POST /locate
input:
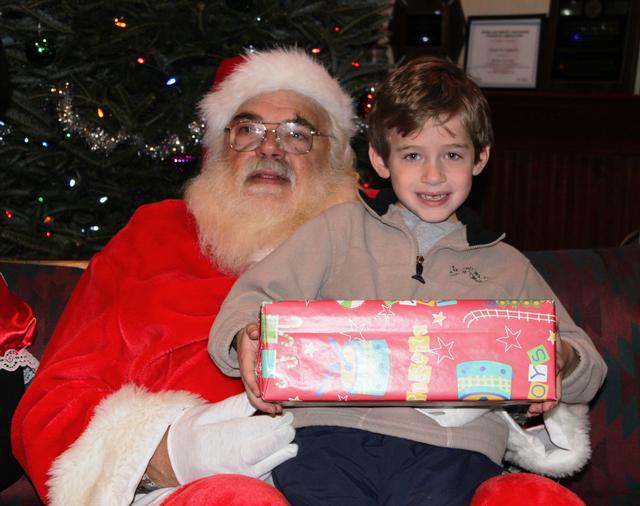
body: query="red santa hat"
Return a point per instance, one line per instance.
(242, 78)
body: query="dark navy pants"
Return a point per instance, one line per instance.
(338, 466)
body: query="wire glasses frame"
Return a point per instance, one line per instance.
(292, 137)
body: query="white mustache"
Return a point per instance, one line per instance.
(278, 167)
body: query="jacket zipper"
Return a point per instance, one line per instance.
(419, 268)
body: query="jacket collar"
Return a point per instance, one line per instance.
(477, 235)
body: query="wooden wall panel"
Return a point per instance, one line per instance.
(557, 200)
(564, 171)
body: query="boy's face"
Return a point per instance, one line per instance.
(431, 169)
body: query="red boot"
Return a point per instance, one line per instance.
(226, 490)
(523, 489)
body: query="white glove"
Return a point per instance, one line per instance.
(223, 438)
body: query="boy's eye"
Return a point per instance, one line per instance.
(412, 156)
(452, 156)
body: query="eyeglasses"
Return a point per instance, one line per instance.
(292, 137)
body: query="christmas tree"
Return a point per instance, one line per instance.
(101, 115)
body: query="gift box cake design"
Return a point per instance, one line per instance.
(383, 351)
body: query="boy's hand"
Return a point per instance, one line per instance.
(566, 361)
(247, 345)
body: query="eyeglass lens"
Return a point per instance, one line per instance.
(292, 137)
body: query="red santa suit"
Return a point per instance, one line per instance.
(128, 355)
(130, 351)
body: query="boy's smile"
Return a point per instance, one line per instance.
(431, 169)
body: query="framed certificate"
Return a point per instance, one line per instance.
(504, 51)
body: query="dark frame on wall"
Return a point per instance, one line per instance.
(593, 45)
(505, 51)
(426, 27)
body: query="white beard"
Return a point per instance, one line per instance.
(239, 223)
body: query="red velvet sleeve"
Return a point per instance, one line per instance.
(140, 315)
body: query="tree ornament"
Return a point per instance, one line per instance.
(41, 50)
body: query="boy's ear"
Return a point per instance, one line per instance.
(484, 158)
(378, 163)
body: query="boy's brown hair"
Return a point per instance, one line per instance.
(428, 88)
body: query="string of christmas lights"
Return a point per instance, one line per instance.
(102, 114)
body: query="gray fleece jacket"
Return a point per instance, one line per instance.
(353, 252)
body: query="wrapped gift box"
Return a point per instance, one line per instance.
(408, 352)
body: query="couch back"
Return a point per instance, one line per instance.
(601, 290)
(46, 288)
(599, 287)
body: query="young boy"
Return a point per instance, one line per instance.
(430, 133)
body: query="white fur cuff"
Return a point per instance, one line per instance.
(105, 464)
(558, 449)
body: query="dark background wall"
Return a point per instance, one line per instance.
(565, 169)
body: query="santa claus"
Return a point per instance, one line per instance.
(127, 405)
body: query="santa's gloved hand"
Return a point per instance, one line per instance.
(222, 438)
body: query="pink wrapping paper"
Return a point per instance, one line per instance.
(451, 352)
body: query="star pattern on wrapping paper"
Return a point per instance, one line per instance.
(511, 339)
(356, 328)
(385, 313)
(296, 398)
(309, 348)
(552, 337)
(439, 318)
(344, 397)
(439, 350)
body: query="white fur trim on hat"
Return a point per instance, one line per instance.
(268, 71)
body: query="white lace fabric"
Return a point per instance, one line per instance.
(12, 359)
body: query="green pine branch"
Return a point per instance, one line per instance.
(70, 169)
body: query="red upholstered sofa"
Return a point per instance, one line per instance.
(599, 287)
